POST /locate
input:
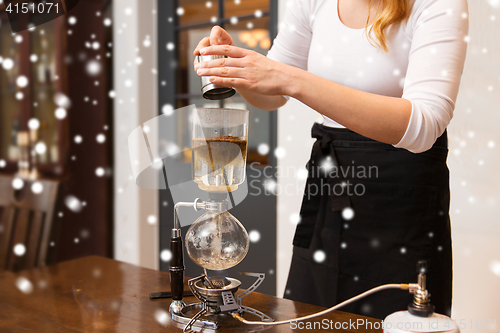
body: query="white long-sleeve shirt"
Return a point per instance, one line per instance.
(424, 63)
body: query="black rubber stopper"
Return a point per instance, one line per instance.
(425, 311)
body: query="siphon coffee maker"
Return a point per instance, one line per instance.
(216, 240)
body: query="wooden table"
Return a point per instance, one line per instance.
(95, 294)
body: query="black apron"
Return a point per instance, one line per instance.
(370, 212)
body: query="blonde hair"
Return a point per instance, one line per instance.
(389, 12)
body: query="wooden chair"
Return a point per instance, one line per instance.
(26, 218)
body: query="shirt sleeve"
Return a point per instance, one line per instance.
(436, 61)
(291, 45)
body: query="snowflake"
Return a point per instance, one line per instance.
(263, 149)
(60, 113)
(107, 22)
(100, 138)
(319, 256)
(233, 20)
(62, 101)
(73, 203)
(78, 139)
(280, 152)
(93, 67)
(180, 11)
(258, 13)
(100, 172)
(208, 4)
(270, 186)
(152, 219)
(162, 316)
(24, 285)
(71, 20)
(249, 25)
(302, 173)
(128, 11)
(19, 250)
(19, 95)
(347, 213)
(40, 148)
(495, 267)
(37, 187)
(402, 250)
(33, 124)
(254, 236)
(33, 58)
(22, 81)
(166, 255)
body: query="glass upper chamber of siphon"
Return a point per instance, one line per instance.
(217, 240)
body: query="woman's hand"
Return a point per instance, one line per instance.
(218, 36)
(243, 69)
(241, 63)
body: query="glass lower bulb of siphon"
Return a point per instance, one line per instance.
(217, 241)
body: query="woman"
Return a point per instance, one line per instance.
(385, 75)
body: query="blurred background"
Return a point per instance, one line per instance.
(73, 89)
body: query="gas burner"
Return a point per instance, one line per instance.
(213, 301)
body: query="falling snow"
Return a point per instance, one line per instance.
(152, 219)
(348, 213)
(60, 113)
(37, 187)
(24, 285)
(17, 183)
(40, 148)
(22, 81)
(166, 255)
(100, 138)
(167, 109)
(162, 316)
(319, 256)
(254, 236)
(93, 67)
(19, 250)
(33, 124)
(99, 172)
(263, 149)
(73, 203)
(280, 152)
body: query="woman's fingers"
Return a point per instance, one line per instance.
(219, 36)
(228, 50)
(203, 43)
(230, 62)
(230, 82)
(233, 72)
